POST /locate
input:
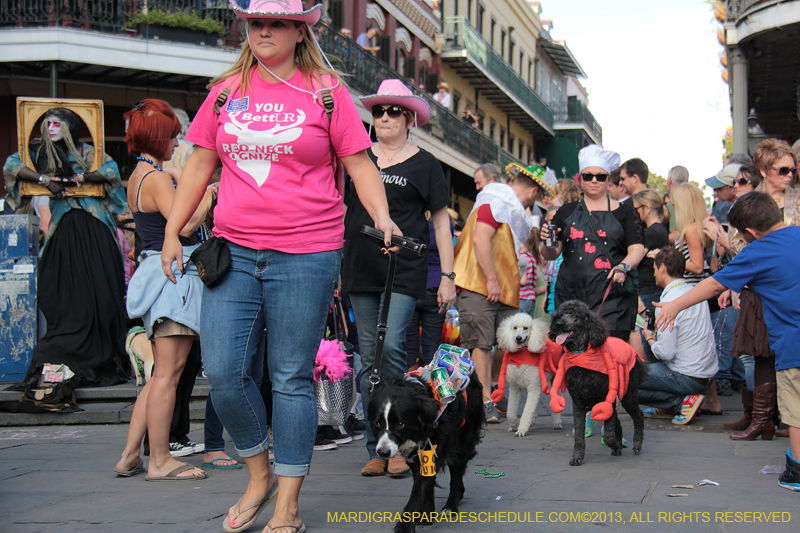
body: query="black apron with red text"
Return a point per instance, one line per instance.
(583, 273)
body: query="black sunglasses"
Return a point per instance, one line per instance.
(587, 176)
(743, 181)
(785, 171)
(393, 111)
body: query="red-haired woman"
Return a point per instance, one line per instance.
(171, 312)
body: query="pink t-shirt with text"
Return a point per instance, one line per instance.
(277, 190)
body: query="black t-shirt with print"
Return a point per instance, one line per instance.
(412, 187)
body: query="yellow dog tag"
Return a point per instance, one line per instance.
(427, 461)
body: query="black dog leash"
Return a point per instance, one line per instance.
(409, 244)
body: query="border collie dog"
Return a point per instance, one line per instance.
(403, 415)
(578, 328)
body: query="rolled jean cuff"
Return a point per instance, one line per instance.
(255, 450)
(291, 470)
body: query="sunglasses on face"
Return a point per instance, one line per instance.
(393, 111)
(743, 181)
(785, 171)
(587, 176)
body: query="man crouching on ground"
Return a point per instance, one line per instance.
(766, 266)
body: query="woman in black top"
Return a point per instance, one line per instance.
(650, 206)
(414, 182)
(586, 272)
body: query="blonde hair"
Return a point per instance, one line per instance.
(307, 55)
(653, 200)
(690, 208)
(568, 190)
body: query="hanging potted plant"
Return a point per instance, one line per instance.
(178, 26)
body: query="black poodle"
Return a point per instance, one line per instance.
(577, 327)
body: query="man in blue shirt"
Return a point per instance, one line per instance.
(766, 266)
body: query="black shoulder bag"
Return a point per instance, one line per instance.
(629, 287)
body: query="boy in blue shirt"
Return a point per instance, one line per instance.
(767, 267)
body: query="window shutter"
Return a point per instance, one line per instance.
(385, 42)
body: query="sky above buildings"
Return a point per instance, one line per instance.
(654, 78)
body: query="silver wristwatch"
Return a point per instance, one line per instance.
(44, 180)
(450, 275)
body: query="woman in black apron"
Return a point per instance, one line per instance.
(586, 271)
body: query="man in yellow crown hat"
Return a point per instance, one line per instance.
(486, 269)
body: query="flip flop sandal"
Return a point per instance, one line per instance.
(173, 475)
(709, 412)
(138, 469)
(213, 464)
(271, 494)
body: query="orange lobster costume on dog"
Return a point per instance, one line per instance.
(546, 361)
(614, 358)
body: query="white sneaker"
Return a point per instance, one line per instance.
(176, 449)
(196, 448)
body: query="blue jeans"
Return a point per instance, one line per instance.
(723, 321)
(526, 306)
(426, 315)
(212, 429)
(749, 363)
(289, 296)
(366, 308)
(665, 389)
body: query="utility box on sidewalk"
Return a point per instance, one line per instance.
(18, 315)
(19, 236)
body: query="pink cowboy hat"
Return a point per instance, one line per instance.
(395, 92)
(285, 9)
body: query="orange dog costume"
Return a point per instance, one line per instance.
(614, 358)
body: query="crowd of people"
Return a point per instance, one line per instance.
(529, 244)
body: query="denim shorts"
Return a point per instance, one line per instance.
(282, 299)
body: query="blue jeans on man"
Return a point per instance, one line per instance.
(730, 368)
(665, 389)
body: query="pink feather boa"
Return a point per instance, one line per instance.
(332, 361)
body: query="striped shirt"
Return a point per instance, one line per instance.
(690, 277)
(527, 291)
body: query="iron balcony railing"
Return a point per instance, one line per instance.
(365, 71)
(112, 15)
(466, 37)
(737, 8)
(365, 74)
(576, 112)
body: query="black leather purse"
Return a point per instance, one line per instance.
(213, 259)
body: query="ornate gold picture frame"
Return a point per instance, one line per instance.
(30, 110)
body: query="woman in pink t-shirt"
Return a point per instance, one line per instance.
(281, 212)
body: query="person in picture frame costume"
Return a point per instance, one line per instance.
(81, 283)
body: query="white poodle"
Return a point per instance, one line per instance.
(523, 339)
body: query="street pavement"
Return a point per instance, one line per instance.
(60, 479)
